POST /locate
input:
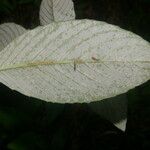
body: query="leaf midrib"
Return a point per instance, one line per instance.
(74, 62)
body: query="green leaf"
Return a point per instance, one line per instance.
(6, 6)
(29, 141)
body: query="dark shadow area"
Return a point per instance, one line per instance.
(31, 124)
(113, 109)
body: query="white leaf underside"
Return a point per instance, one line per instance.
(75, 62)
(56, 10)
(8, 32)
(121, 124)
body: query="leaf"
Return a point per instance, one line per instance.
(8, 32)
(75, 61)
(56, 10)
(121, 124)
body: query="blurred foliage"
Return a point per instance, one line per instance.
(30, 124)
(8, 6)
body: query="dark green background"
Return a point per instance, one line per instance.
(31, 124)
